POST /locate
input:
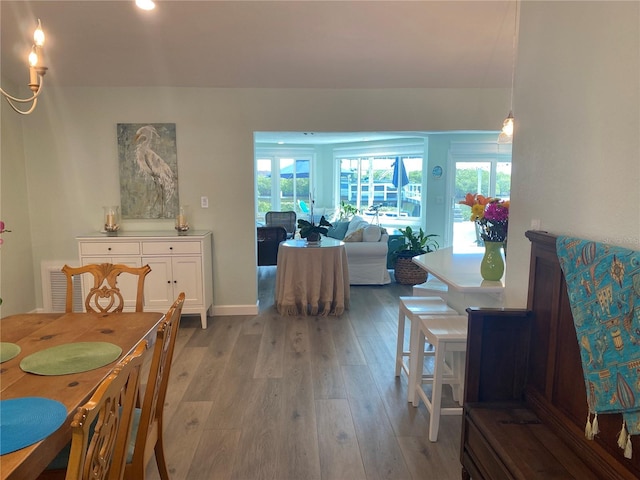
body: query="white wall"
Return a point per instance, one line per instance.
(72, 168)
(576, 153)
(16, 265)
(576, 156)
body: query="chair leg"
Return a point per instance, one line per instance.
(417, 378)
(160, 460)
(458, 369)
(436, 393)
(400, 342)
(416, 350)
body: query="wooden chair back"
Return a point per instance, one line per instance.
(148, 437)
(101, 427)
(282, 219)
(105, 296)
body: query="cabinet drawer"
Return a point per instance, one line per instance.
(170, 248)
(109, 248)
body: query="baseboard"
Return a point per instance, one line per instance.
(230, 310)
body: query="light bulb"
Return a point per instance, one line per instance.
(33, 57)
(146, 4)
(38, 35)
(507, 126)
(506, 135)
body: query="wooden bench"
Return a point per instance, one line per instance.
(525, 403)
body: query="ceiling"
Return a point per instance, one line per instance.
(264, 44)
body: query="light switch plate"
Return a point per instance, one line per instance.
(204, 202)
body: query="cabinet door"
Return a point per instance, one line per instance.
(128, 284)
(187, 278)
(158, 286)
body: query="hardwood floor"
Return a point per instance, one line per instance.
(300, 398)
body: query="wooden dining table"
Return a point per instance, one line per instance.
(34, 332)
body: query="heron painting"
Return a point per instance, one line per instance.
(147, 155)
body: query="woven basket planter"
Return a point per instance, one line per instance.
(408, 273)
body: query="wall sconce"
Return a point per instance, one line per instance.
(37, 71)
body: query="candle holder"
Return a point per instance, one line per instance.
(112, 220)
(182, 220)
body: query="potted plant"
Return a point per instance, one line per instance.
(347, 210)
(311, 231)
(415, 243)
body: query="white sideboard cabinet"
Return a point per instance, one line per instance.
(179, 263)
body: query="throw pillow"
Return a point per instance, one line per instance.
(338, 231)
(356, 223)
(355, 236)
(371, 234)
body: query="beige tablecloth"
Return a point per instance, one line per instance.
(312, 279)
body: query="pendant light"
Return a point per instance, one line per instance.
(506, 135)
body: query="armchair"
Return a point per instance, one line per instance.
(282, 219)
(269, 239)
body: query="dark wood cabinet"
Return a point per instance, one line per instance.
(525, 403)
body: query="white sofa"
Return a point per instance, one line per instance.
(367, 247)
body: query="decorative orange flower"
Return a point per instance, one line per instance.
(469, 200)
(477, 203)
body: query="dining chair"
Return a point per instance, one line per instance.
(100, 428)
(105, 296)
(147, 435)
(282, 219)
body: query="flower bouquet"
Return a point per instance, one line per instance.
(491, 216)
(494, 221)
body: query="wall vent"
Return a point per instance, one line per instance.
(54, 287)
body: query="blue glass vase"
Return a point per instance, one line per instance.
(492, 265)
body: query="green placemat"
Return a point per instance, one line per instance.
(8, 351)
(71, 358)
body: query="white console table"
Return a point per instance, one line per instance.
(179, 263)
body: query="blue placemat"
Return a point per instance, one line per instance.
(25, 421)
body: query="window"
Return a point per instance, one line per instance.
(486, 172)
(385, 186)
(282, 181)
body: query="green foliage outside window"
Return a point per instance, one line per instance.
(467, 181)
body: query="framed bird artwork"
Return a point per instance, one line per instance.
(148, 163)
